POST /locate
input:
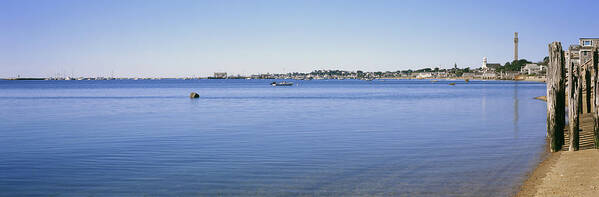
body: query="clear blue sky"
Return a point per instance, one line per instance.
(40, 38)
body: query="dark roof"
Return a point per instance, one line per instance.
(493, 65)
(588, 38)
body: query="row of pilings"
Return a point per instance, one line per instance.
(578, 77)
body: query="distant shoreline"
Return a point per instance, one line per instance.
(104, 79)
(25, 79)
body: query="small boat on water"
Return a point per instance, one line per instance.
(284, 83)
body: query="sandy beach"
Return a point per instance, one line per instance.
(567, 173)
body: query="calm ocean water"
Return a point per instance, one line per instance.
(246, 138)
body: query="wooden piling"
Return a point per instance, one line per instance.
(594, 65)
(586, 79)
(555, 97)
(574, 90)
(593, 78)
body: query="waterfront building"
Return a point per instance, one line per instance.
(424, 75)
(580, 53)
(442, 74)
(489, 75)
(221, 75)
(469, 75)
(510, 75)
(586, 45)
(533, 69)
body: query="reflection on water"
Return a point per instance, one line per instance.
(516, 109)
(247, 138)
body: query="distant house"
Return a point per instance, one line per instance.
(469, 75)
(586, 45)
(222, 75)
(533, 69)
(580, 54)
(510, 74)
(424, 75)
(442, 74)
(489, 75)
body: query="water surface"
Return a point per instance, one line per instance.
(246, 138)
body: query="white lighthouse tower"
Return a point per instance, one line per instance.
(484, 63)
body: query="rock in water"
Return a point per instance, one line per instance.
(194, 95)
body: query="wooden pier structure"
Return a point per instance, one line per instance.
(578, 86)
(586, 134)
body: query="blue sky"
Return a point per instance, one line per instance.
(196, 38)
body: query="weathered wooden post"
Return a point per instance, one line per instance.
(594, 65)
(593, 92)
(574, 104)
(555, 97)
(586, 78)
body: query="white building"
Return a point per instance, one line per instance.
(489, 75)
(424, 75)
(489, 67)
(533, 69)
(222, 75)
(484, 63)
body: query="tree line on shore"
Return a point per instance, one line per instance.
(512, 66)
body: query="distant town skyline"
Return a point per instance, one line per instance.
(197, 38)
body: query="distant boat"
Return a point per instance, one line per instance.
(451, 84)
(284, 83)
(467, 80)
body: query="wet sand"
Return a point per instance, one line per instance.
(543, 98)
(535, 179)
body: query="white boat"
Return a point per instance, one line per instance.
(284, 83)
